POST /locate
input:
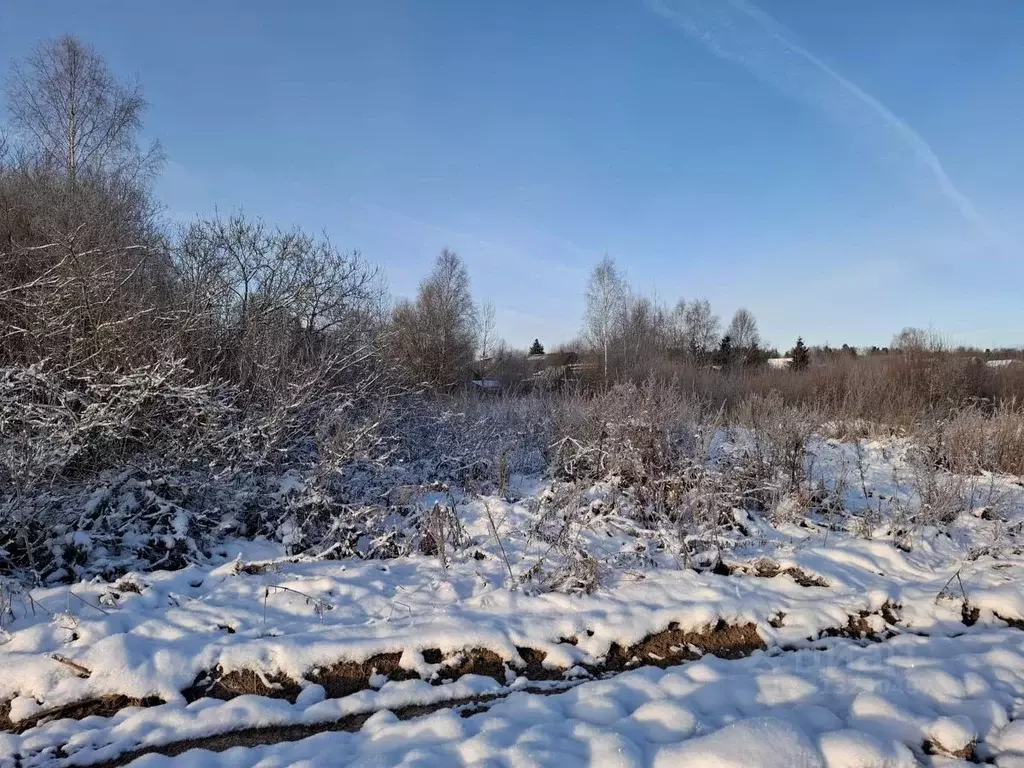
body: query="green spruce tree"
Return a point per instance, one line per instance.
(536, 348)
(723, 356)
(799, 356)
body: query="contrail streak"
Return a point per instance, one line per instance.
(738, 31)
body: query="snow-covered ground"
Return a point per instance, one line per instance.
(843, 648)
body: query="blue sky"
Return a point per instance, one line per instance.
(842, 169)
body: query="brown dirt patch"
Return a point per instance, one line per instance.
(478, 661)
(769, 569)
(934, 748)
(1015, 623)
(128, 585)
(255, 569)
(240, 682)
(892, 613)
(766, 568)
(674, 646)
(105, 706)
(804, 579)
(858, 628)
(535, 669)
(347, 677)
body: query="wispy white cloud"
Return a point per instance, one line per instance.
(740, 32)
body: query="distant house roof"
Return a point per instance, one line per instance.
(551, 358)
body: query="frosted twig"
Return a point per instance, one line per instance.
(504, 556)
(950, 581)
(91, 605)
(78, 669)
(404, 605)
(319, 604)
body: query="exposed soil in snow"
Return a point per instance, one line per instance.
(105, 706)
(899, 703)
(769, 569)
(661, 649)
(251, 737)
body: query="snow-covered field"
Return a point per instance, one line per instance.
(804, 636)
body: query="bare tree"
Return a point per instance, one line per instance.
(742, 330)
(676, 327)
(606, 296)
(917, 340)
(485, 329)
(83, 274)
(702, 328)
(75, 116)
(646, 333)
(259, 305)
(435, 335)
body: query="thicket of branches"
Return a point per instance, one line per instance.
(175, 363)
(161, 388)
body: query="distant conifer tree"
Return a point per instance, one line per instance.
(800, 358)
(536, 348)
(724, 355)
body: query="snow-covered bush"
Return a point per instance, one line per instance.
(778, 436)
(972, 440)
(105, 471)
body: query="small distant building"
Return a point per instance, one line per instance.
(555, 370)
(486, 386)
(543, 372)
(779, 362)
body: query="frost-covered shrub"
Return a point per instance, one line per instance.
(972, 440)
(128, 521)
(635, 433)
(179, 465)
(105, 471)
(778, 436)
(55, 425)
(658, 461)
(462, 438)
